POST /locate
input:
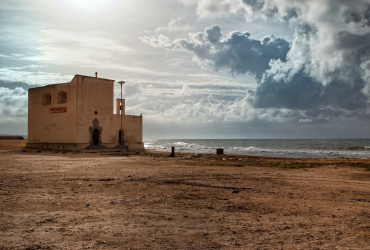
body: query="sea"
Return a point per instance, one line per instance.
(294, 148)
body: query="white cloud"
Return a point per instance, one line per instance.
(87, 40)
(305, 120)
(72, 49)
(185, 91)
(68, 48)
(13, 103)
(175, 25)
(132, 89)
(205, 109)
(214, 8)
(24, 74)
(4, 56)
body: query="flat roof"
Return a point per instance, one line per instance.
(95, 77)
(72, 80)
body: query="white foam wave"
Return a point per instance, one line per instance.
(180, 143)
(307, 150)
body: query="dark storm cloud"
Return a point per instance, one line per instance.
(347, 40)
(301, 92)
(237, 53)
(346, 94)
(213, 34)
(246, 55)
(304, 93)
(361, 17)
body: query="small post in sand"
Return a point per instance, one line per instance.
(172, 152)
(220, 151)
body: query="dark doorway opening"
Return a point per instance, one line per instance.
(96, 137)
(120, 136)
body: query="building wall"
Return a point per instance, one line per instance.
(88, 98)
(44, 126)
(132, 127)
(134, 132)
(95, 95)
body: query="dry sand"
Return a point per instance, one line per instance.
(56, 200)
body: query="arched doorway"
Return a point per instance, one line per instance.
(96, 137)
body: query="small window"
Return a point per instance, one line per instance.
(46, 99)
(62, 97)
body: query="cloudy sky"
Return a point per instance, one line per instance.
(199, 68)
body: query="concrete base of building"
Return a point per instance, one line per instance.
(99, 150)
(136, 147)
(56, 146)
(85, 146)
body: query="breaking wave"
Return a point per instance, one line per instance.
(277, 148)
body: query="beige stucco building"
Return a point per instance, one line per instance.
(79, 115)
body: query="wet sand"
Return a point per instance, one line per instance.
(67, 200)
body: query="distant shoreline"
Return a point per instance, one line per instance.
(20, 144)
(11, 137)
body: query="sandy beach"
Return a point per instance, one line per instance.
(70, 200)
